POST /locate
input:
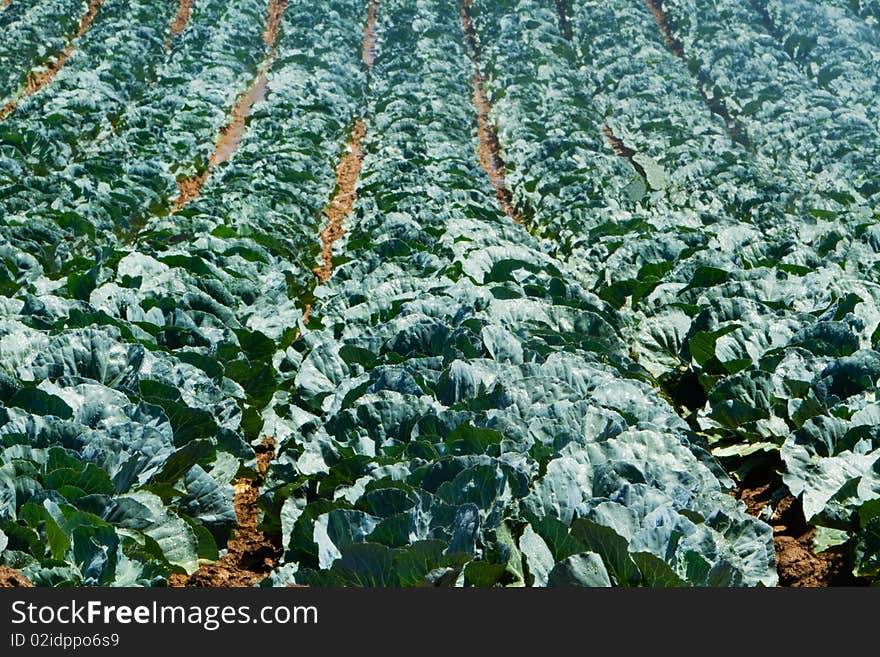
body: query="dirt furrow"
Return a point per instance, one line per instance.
(616, 144)
(489, 149)
(180, 21)
(674, 45)
(347, 173)
(232, 133)
(348, 170)
(250, 554)
(39, 79)
(716, 106)
(369, 55)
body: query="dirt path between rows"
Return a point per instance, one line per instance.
(40, 79)
(349, 168)
(489, 148)
(347, 173)
(232, 133)
(369, 52)
(251, 554)
(180, 21)
(11, 578)
(620, 149)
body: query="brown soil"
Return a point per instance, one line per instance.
(251, 554)
(184, 11)
(233, 132)
(6, 3)
(674, 45)
(347, 173)
(181, 19)
(616, 144)
(189, 189)
(11, 578)
(369, 54)
(489, 148)
(797, 563)
(273, 24)
(40, 79)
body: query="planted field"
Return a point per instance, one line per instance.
(422, 292)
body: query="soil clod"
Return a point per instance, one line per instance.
(797, 562)
(11, 578)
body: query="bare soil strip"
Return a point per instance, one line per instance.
(250, 555)
(369, 55)
(620, 149)
(181, 20)
(674, 45)
(11, 578)
(5, 3)
(231, 135)
(347, 172)
(716, 106)
(40, 79)
(489, 149)
(797, 563)
(184, 11)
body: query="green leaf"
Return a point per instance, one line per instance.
(611, 546)
(584, 569)
(656, 572)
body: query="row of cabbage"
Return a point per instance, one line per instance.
(132, 376)
(824, 142)
(868, 10)
(745, 289)
(813, 374)
(835, 49)
(112, 164)
(463, 413)
(33, 34)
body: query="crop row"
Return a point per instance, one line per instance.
(755, 308)
(464, 414)
(869, 10)
(33, 33)
(839, 52)
(825, 144)
(132, 379)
